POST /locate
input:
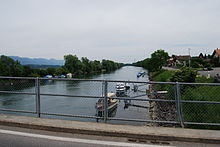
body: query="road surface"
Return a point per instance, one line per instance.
(20, 137)
(212, 73)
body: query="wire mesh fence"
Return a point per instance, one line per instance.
(201, 105)
(125, 102)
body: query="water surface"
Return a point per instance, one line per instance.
(79, 106)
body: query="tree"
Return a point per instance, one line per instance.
(72, 63)
(86, 65)
(9, 67)
(51, 71)
(97, 65)
(27, 71)
(61, 71)
(159, 59)
(155, 63)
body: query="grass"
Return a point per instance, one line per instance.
(194, 112)
(163, 75)
(201, 112)
(204, 79)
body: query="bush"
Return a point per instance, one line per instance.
(186, 74)
(201, 112)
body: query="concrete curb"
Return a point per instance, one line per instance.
(101, 129)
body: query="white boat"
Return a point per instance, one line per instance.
(120, 89)
(48, 76)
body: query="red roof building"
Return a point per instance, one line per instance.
(216, 53)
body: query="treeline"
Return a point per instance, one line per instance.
(9, 67)
(160, 58)
(84, 66)
(155, 62)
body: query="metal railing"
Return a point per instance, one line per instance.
(161, 103)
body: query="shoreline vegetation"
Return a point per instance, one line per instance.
(192, 112)
(77, 67)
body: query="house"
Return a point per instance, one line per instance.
(171, 62)
(178, 60)
(205, 57)
(216, 53)
(183, 58)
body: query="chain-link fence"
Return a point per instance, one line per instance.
(126, 102)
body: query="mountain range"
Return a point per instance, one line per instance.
(37, 61)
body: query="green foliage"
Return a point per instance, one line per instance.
(215, 62)
(51, 71)
(163, 75)
(109, 65)
(204, 79)
(85, 66)
(200, 63)
(198, 112)
(155, 63)
(185, 74)
(72, 63)
(158, 59)
(61, 71)
(9, 67)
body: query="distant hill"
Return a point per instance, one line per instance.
(37, 61)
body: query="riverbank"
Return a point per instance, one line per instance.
(191, 111)
(161, 111)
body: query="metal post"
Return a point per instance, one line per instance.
(105, 101)
(37, 90)
(189, 57)
(178, 105)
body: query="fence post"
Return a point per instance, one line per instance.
(105, 101)
(178, 105)
(37, 90)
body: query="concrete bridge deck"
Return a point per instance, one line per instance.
(102, 129)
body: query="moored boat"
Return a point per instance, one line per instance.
(112, 104)
(141, 74)
(120, 89)
(127, 86)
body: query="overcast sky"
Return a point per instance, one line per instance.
(120, 30)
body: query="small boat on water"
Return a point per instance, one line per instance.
(127, 86)
(141, 74)
(120, 89)
(112, 104)
(48, 76)
(138, 75)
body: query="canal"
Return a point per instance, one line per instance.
(80, 106)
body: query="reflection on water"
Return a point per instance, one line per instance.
(111, 113)
(10, 101)
(77, 105)
(16, 84)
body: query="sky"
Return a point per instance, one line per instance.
(120, 30)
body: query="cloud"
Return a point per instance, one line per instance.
(123, 30)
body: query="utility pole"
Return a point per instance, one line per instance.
(189, 55)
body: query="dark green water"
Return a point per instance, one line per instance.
(78, 106)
